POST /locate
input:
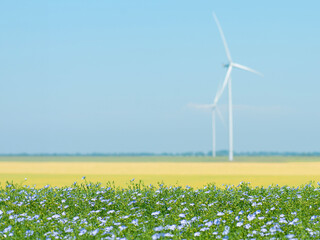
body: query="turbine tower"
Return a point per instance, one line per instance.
(227, 80)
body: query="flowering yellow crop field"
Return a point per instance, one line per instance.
(194, 174)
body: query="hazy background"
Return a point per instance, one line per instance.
(117, 76)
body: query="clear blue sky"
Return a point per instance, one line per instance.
(117, 76)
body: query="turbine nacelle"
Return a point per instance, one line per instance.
(225, 65)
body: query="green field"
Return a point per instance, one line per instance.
(192, 171)
(93, 211)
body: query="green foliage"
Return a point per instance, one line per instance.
(93, 211)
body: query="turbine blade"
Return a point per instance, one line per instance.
(202, 106)
(236, 65)
(225, 82)
(218, 90)
(221, 117)
(222, 36)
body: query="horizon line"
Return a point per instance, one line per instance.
(186, 153)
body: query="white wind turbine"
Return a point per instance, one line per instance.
(226, 81)
(214, 108)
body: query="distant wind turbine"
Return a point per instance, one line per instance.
(214, 108)
(226, 81)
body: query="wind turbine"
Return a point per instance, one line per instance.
(230, 65)
(214, 108)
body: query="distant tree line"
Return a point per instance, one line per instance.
(199, 153)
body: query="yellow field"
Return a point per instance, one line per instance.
(194, 174)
